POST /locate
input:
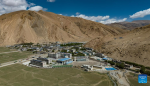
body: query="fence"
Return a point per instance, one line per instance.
(62, 66)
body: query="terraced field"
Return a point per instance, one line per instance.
(19, 75)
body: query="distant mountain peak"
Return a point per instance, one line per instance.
(130, 25)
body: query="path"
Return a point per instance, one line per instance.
(8, 52)
(119, 76)
(22, 60)
(16, 61)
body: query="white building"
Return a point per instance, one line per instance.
(44, 64)
(66, 55)
(54, 55)
(59, 55)
(73, 50)
(97, 58)
(88, 67)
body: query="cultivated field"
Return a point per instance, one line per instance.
(19, 75)
(6, 57)
(134, 80)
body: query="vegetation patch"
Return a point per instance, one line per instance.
(20, 75)
(14, 56)
(133, 79)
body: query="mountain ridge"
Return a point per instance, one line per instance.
(31, 26)
(133, 46)
(130, 25)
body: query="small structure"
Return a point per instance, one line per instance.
(38, 63)
(54, 55)
(47, 60)
(65, 61)
(108, 69)
(66, 55)
(73, 50)
(96, 58)
(120, 37)
(87, 67)
(98, 55)
(104, 58)
(127, 66)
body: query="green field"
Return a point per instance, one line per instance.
(13, 56)
(134, 80)
(4, 49)
(19, 75)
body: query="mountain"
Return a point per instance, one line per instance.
(130, 25)
(37, 27)
(133, 46)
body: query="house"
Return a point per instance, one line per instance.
(54, 55)
(85, 53)
(38, 63)
(89, 49)
(96, 58)
(127, 66)
(66, 55)
(65, 61)
(87, 67)
(47, 60)
(73, 50)
(105, 58)
(23, 49)
(98, 55)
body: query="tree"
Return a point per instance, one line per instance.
(111, 62)
(53, 50)
(120, 65)
(65, 51)
(147, 72)
(142, 69)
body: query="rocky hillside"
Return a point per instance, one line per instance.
(130, 25)
(37, 27)
(133, 46)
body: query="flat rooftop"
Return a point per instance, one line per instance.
(63, 59)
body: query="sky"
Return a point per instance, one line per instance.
(102, 11)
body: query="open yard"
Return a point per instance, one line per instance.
(19, 75)
(6, 57)
(134, 80)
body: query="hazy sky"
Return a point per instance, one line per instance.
(103, 11)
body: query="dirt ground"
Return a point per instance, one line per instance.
(90, 62)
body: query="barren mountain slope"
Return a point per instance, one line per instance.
(133, 46)
(130, 25)
(37, 27)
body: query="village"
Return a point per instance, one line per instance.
(52, 55)
(74, 54)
